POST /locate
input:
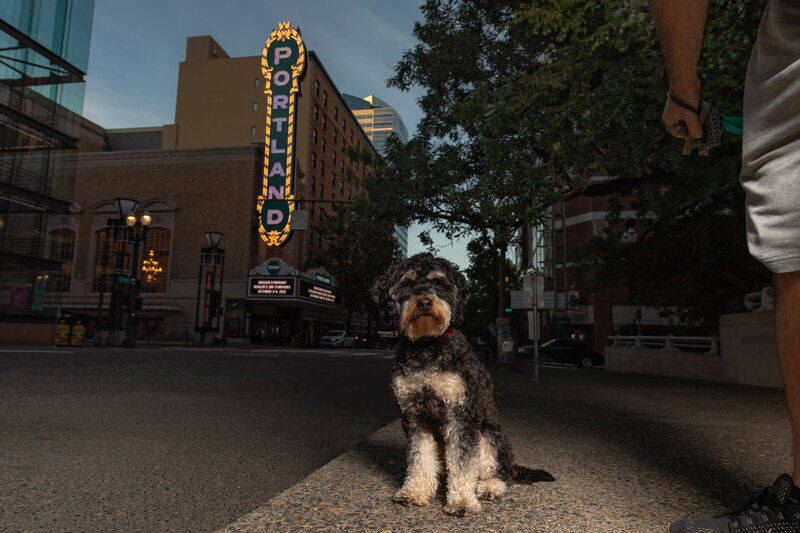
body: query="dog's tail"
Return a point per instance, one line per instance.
(527, 476)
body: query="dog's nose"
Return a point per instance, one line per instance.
(424, 304)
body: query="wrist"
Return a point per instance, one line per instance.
(686, 87)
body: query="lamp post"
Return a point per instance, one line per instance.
(137, 225)
(212, 257)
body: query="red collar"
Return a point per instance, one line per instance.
(450, 332)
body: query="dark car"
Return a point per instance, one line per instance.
(567, 351)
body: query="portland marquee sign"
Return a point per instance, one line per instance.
(283, 65)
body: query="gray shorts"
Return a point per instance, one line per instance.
(771, 143)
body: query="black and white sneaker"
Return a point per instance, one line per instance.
(776, 510)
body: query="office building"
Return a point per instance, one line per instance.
(45, 55)
(380, 121)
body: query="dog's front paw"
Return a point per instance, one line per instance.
(462, 507)
(407, 497)
(491, 489)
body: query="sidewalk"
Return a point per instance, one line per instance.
(629, 453)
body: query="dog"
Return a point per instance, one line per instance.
(443, 391)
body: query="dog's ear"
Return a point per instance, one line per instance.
(380, 293)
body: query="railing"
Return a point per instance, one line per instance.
(669, 343)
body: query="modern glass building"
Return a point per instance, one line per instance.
(379, 121)
(44, 52)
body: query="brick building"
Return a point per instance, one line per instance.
(204, 173)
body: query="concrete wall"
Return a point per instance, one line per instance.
(748, 355)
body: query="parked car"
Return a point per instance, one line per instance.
(337, 338)
(568, 351)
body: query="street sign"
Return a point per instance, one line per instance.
(124, 279)
(521, 300)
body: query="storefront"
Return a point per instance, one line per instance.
(287, 307)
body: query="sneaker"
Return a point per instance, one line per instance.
(776, 510)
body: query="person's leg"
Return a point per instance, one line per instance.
(787, 330)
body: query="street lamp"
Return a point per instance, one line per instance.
(212, 257)
(137, 226)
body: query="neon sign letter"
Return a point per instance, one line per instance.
(283, 64)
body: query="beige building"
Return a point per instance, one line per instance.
(204, 173)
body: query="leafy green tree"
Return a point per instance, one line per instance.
(485, 295)
(358, 249)
(526, 102)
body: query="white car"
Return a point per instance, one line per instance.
(337, 338)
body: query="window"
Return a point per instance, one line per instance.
(62, 248)
(255, 106)
(349, 194)
(335, 134)
(322, 167)
(333, 179)
(313, 184)
(316, 87)
(155, 260)
(256, 82)
(342, 145)
(314, 135)
(324, 122)
(341, 186)
(351, 135)
(321, 191)
(316, 112)
(341, 166)
(325, 98)
(344, 124)
(333, 156)
(335, 112)
(252, 130)
(323, 145)
(313, 160)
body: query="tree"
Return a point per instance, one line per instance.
(526, 102)
(358, 250)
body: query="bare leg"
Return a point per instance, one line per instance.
(787, 329)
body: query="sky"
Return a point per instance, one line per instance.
(136, 48)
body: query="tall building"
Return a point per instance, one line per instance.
(379, 121)
(45, 52)
(204, 173)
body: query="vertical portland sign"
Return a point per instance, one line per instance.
(283, 64)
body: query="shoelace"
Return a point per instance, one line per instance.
(766, 507)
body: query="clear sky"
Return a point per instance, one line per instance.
(136, 47)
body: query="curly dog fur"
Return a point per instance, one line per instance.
(443, 391)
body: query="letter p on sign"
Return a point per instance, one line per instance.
(282, 52)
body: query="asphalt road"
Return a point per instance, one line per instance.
(173, 439)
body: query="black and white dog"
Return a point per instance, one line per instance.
(443, 391)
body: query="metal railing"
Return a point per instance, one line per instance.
(669, 343)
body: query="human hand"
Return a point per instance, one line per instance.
(681, 116)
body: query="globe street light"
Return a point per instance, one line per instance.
(137, 225)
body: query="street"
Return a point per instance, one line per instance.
(173, 439)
